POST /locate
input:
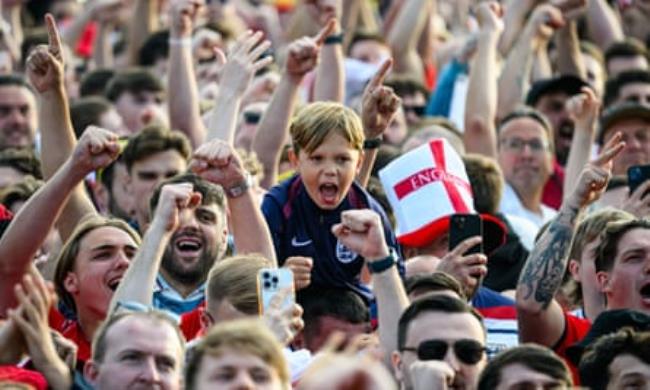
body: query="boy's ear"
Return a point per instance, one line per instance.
(574, 269)
(293, 158)
(362, 156)
(603, 282)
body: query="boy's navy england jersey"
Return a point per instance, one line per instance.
(300, 228)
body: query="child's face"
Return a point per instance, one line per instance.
(328, 171)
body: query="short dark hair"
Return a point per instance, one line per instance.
(486, 180)
(134, 81)
(435, 282)
(536, 358)
(594, 365)
(23, 160)
(94, 82)
(406, 85)
(155, 47)
(613, 233)
(341, 304)
(428, 303)
(155, 139)
(210, 193)
(87, 111)
(629, 47)
(613, 86)
(522, 111)
(361, 35)
(20, 191)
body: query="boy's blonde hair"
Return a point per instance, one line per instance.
(316, 121)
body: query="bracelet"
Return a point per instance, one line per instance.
(180, 41)
(334, 39)
(382, 265)
(372, 143)
(240, 189)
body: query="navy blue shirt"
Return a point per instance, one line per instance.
(300, 228)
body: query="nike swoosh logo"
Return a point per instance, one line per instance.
(296, 243)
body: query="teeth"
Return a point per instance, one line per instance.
(188, 245)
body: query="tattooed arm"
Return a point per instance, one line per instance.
(540, 317)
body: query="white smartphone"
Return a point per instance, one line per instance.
(272, 282)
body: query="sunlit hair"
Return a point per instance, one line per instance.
(317, 121)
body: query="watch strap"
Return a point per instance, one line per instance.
(334, 39)
(382, 265)
(241, 188)
(372, 143)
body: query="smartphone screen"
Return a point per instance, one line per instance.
(272, 282)
(464, 226)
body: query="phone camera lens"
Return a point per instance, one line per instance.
(275, 280)
(267, 285)
(266, 275)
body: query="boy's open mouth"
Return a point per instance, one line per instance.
(328, 193)
(645, 293)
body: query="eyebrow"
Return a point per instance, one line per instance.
(112, 246)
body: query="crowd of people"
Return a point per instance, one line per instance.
(458, 187)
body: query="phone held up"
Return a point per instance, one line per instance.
(275, 282)
(464, 226)
(637, 175)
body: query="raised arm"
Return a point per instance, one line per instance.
(603, 25)
(515, 75)
(539, 315)
(184, 111)
(405, 33)
(272, 132)
(143, 23)
(514, 21)
(583, 109)
(217, 162)
(139, 279)
(330, 72)
(569, 59)
(242, 63)
(362, 232)
(481, 104)
(45, 72)
(96, 149)
(379, 107)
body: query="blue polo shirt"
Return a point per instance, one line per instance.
(300, 228)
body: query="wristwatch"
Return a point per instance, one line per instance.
(382, 265)
(372, 143)
(239, 189)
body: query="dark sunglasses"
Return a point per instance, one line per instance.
(417, 110)
(468, 351)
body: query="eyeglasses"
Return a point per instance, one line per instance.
(468, 351)
(142, 308)
(517, 145)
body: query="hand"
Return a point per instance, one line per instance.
(183, 15)
(362, 232)
(284, 323)
(204, 43)
(379, 103)
(302, 54)
(301, 268)
(96, 149)
(45, 63)
(174, 198)
(467, 269)
(583, 109)
(571, 9)
(638, 203)
(489, 16)
(66, 349)
(107, 11)
(431, 374)
(36, 298)
(244, 61)
(543, 22)
(322, 11)
(595, 175)
(219, 163)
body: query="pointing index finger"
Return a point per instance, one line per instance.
(54, 40)
(610, 150)
(378, 78)
(325, 31)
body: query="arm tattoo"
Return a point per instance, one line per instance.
(543, 272)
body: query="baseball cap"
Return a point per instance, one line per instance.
(618, 112)
(571, 85)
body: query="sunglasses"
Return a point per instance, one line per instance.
(417, 110)
(467, 351)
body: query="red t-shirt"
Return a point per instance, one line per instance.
(554, 188)
(191, 323)
(70, 330)
(575, 329)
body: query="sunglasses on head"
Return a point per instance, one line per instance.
(467, 351)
